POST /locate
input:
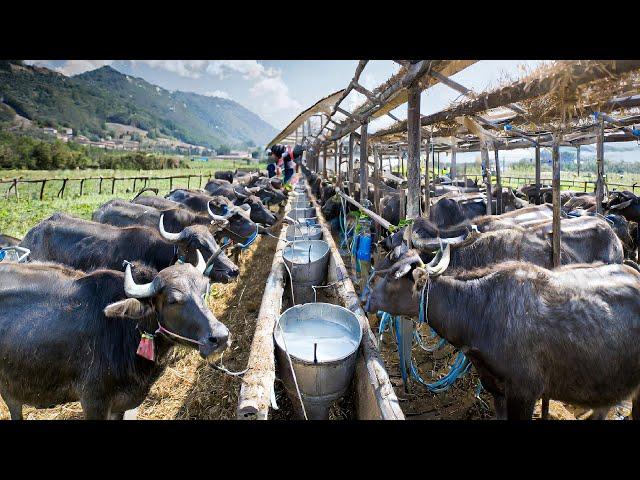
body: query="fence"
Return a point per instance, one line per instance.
(106, 184)
(582, 184)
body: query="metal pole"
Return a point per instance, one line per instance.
(413, 151)
(578, 158)
(324, 161)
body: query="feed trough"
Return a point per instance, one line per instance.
(307, 261)
(304, 232)
(322, 341)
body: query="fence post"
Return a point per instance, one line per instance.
(170, 183)
(81, 186)
(15, 188)
(113, 185)
(42, 189)
(135, 180)
(61, 191)
(188, 181)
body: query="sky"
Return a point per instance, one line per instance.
(278, 90)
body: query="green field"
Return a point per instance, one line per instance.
(18, 215)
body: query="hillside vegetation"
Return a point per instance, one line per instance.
(87, 102)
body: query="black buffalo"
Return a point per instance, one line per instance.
(516, 321)
(240, 227)
(68, 336)
(87, 246)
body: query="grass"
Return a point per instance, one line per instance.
(17, 216)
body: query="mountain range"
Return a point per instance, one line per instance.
(86, 102)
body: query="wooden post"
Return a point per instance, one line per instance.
(100, 187)
(376, 180)
(402, 193)
(15, 188)
(350, 172)
(484, 152)
(339, 144)
(42, 189)
(336, 166)
(364, 169)
(413, 151)
(556, 202)
(453, 171)
(324, 161)
(113, 185)
(600, 166)
(427, 191)
(538, 184)
(81, 186)
(61, 191)
(578, 158)
(498, 183)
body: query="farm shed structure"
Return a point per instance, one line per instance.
(559, 104)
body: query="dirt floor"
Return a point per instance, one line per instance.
(190, 388)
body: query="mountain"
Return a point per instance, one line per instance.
(87, 101)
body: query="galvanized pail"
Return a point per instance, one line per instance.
(322, 340)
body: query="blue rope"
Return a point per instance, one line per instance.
(251, 239)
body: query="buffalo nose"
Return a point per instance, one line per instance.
(234, 273)
(220, 340)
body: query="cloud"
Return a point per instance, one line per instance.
(184, 68)
(71, 67)
(219, 94)
(275, 93)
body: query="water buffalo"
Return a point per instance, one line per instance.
(171, 224)
(240, 226)
(8, 241)
(519, 344)
(584, 240)
(159, 202)
(624, 203)
(454, 209)
(87, 245)
(70, 336)
(224, 175)
(241, 195)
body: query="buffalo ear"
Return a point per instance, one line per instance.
(128, 308)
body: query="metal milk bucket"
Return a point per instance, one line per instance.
(307, 261)
(322, 340)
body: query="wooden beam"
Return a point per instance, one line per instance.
(538, 166)
(413, 160)
(484, 151)
(324, 161)
(364, 169)
(578, 158)
(600, 166)
(580, 72)
(499, 209)
(556, 203)
(351, 179)
(454, 171)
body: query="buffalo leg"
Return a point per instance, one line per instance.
(544, 409)
(520, 408)
(15, 408)
(500, 406)
(95, 409)
(599, 413)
